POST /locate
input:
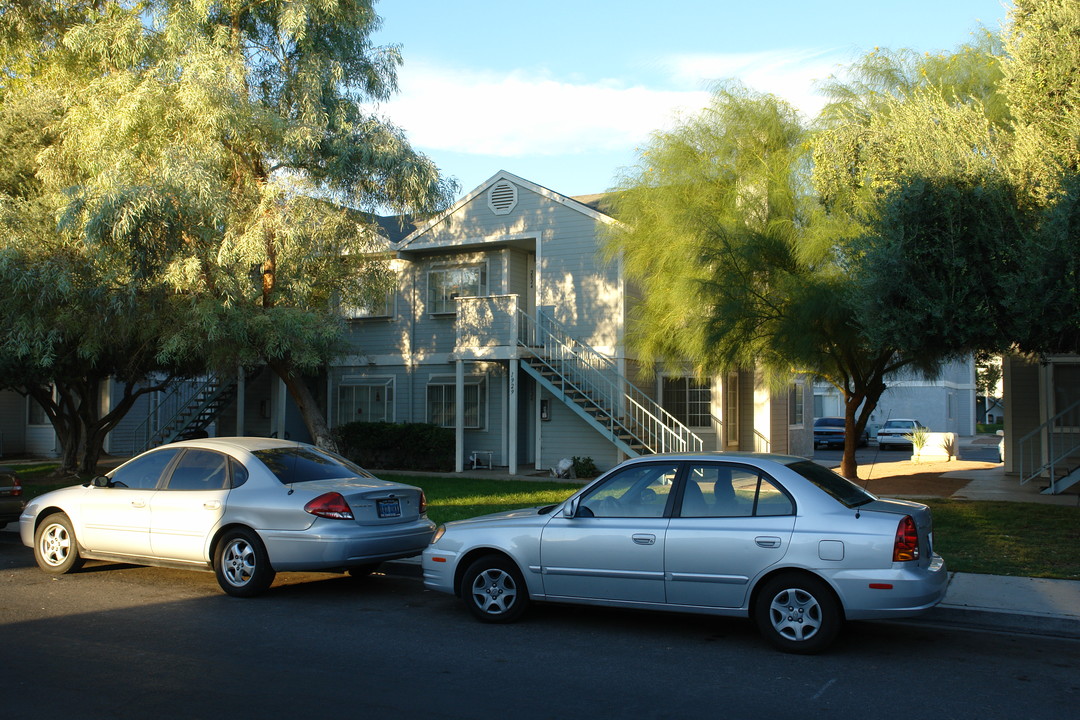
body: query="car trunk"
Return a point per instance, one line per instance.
(373, 502)
(919, 513)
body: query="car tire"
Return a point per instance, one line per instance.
(241, 564)
(798, 613)
(55, 548)
(494, 590)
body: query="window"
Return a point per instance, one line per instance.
(382, 308)
(35, 414)
(369, 401)
(200, 470)
(305, 464)
(143, 473)
(637, 491)
(715, 490)
(795, 404)
(442, 404)
(445, 285)
(688, 400)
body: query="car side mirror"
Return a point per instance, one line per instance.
(100, 481)
(570, 509)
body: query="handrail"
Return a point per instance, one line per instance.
(179, 397)
(1062, 441)
(596, 377)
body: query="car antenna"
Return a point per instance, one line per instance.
(873, 462)
(292, 470)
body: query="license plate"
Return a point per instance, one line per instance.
(389, 508)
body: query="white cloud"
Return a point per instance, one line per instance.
(790, 74)
(518, 113)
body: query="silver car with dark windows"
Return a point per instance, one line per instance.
(245, 508)
(779, 539)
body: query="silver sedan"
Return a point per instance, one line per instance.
(779, 539)
(245, 508)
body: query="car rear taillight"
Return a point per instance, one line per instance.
(16, 489)
(423, 502)
(906, 545)
(330, 505)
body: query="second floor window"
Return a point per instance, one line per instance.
(445, 285)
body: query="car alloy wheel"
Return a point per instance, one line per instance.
(494, 590)
(55, 549)
(242, 565)
(798, 613)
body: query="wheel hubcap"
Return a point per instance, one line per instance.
(55, 545)
(238, 562)
(795, 614)
(494, 591)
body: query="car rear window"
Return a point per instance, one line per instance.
(829, 422)
(304, 464)
(843, 490)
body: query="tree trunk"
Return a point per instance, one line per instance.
(301, 394)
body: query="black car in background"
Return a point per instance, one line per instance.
(11, 496)
(829, 431)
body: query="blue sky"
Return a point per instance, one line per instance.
(563, 93)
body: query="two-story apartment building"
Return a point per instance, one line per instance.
(507, 325)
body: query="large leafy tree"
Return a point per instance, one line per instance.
(736, 264)
(220, 151)
(753, 236)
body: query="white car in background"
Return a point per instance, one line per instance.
(897, 433)
(244, 508)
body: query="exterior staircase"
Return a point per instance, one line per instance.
(1051, 452)
(591, 385)
(189, 407)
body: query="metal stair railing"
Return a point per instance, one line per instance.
(1061, 434)
(594, 378)
(193, 404)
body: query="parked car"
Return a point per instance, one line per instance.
(779, 539)
(245, 508)
(11, 496)
(829, 431)
(898, 433)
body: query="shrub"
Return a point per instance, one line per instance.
(397, 446)
(584, 467)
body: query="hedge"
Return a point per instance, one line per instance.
(398, 446)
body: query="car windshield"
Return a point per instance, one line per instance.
(304, 464)
(843, 490)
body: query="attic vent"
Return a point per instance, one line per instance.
(502, 198)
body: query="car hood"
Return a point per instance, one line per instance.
(505, 515)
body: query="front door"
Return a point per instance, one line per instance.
(116, 519)
(614, 548)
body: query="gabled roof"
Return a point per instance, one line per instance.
(587, 204)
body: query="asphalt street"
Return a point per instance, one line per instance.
(117, 641)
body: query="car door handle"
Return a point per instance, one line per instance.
(766, 541)
(644, 539)
(138, 502)
(212, 505)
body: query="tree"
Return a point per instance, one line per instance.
(736, 264)
(220, 150)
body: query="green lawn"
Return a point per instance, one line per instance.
(999, 538)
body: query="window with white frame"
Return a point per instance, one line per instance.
(35, 414)
(447, 284)
(366, 401)
(795, 404)
(689, 400)
(442, 403)
(381, 308)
